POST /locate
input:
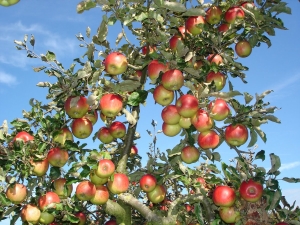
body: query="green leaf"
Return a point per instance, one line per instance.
(85, 171)
(291, 180)
(4, 200)
(260, 155)
(253, 139)
(275, 163)
(137, 97)
(194, 12)
(225, 95)
(260, 133)
(88, 32)
(174, 6)
(272, 118)
(38, 69)
(102, 30)
(273, 198)
(199, 213)
(55, 172)
(50, 56)
(248, 97)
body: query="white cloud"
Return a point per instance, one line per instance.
(289, 165)
(285, 83)
(7, 78)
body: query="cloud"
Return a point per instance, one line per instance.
(285, 83)
(289, 165)
(7, 78)
(292, 195)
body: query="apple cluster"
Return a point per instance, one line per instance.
(156, 193)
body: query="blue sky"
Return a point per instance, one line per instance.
(55, 24)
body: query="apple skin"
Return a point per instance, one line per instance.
(243, 49)
(187, 105)
(213, 15)
(218, 78)
(82, 128)
(234, 13)
(46, 218)
(219, 109)
(48, 199)
(201, 180)
(154, 69)
(224, 196)
(111, 104)
(119, 184)
(148, 50)
(104, 135)
(158, 194)
(133, 151)
(192, 23)
(171, 130)
(185, 123)
(190, 154)
(111, 222)
(105, 168)
(117, 129)
(172, 80)
(208, 139)
(92, 115)
(30, 213)
(16, 193)
(229, 215)
(215, 58)
(202, 121)
(82, 218)
(60, 187)
(163, 96)
(40, 167)
(251, 190)
(63, 135)
(24, 136)
(76, 106)
(115, 63)
(101, 196)
(175, 42)
(8, 2)
(57, 157)
(236, 135)
(148, 182)
(170, 115)
(85, 190)
(97, 180)
(224, 27)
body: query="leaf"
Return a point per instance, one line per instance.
(38, 69)
(32, 40)
(230, 86)
(260, 133)
(253, 139)
(194, 12)
(102, 30)
(50, 56)
(85, 171)
(174, 6)
(127, 85)
(248, 97)
(4, 200)
(272, 118)
(55, 173)
(137, 97)
(273, 199)
(291, 180)
(260, 155)
(275, 163)
(88, 32)
(225, 95)
(199, 214)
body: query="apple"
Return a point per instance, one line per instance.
(215, 58)
(182, 31)
(171, 130)
(243, 48)
(30, 214)
(224, 27)
(188, 207)
(101, 195)
(187, 105)
(118, 184)
(48, 200)
(223, 196)
(115, 63)
(229, 215)
(148, 50)
(104, 135)
(16, 193)
(138, 73)
(62, 135)
(85, 190)
(208, 139)
(190, 154)
(170, 114)
(61, 189)
(24, 136)
(172, 80)
(133, 151)
(82, 128)
(76, 106)
(82, 218)
(92, 115)
(105, 168)
(236, 135)
(185, 122)
(248, 5)
(213, 15)
(155, 68)
(111, 222)
(192, 24)
(106, 118)
(57, 157)
(148, 182)
(202, 121)
(111, 104)
(158, 194)
(218, 78)
(201, 180)
(251, 190)
(40, 167)
(219, 109)
(234, 13)
(117, 129)
(46, 218)
(8, 2)
(97, 180)
(163, 96)
(176, 43)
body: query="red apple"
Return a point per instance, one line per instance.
(111, 104)
(190, 154)
(85, 190)
(229, 215)
(185, 122)
(115, 63)
(104, 135)
(171, 130)
(92, 115)
(155, 68)
(16, 193)
(82, 128)
(202, 121)
(48, 200)
(40, 167)
(158, 194)
(61, 189)
(118, 184)
(187, 105)
(224, 196)
(105, 168)
(215, 58)
(62, 135)
(82, 218)
(176, 43)
(76, 106)
(236, 135)
(148, 182)
(192, 24)
(201, 180)
(24, 136)
(46, 218)
(163, 96)
(97, 180)
(101, 195)
(213, 15)
(224, 27)
(57, 157)
(234, 13)
(117, 129)
(148, 50)
(111, 222)
(243, 49)
(133, 151)
(172, 80)
(30, 214)
(219, 109)
(218, 78)
(208, 139)
(251, 190)
(170, 114)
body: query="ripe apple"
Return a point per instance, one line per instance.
(190, 154)
(236, 135)
(82, 218)
(243, 49)
(46, 218)
(201, 180)
(97, 180)
(202, 121)
(148, 182)
(8, 2)
(115, 63)
(57, 157)
(192, 24)
(133, 151)
(117, 129)
(85, 190)
(185, 122)
(40, 167)
(224, 27)
(219, 109)
(16, 193)
(213, 15)
(105, 168)
(48, 200)
(24, 136)
(224, 196)
(148, 50)
(62, 135)
(163, 96)
(229, 215)
(104, 135)
(101, 195)
(118, 184)
(111, 104)
(208, 139)
(111, 222)
(155, 68)
(234, 13)
(182, 31)
(170, 114)
(176, 43)
(82, 128)
(218, 78)
(171, 130)
(158, 194)
(30, 214)
(251, 190)
(187, 105)
(61, 189)
(92, 115)
(172, 80)
(215, 58)
(76, 106)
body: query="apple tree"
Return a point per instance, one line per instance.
(183, 54)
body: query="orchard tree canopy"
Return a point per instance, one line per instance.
(184, 54)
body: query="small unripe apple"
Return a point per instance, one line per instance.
(97, 180)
